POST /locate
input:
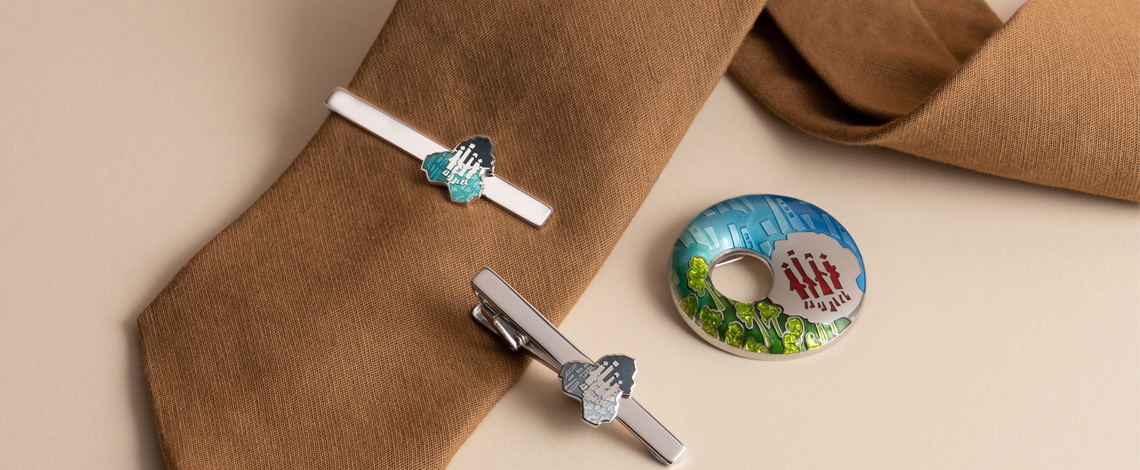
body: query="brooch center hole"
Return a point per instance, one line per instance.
(742, 276)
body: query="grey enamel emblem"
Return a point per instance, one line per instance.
(599, 386)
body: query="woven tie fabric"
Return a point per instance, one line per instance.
(1052, 98)
(329, 326)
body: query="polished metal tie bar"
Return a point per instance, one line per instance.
(466, 175)
(604, 386)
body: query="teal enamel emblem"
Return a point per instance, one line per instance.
(463, 169)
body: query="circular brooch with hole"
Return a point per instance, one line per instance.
(818, 280)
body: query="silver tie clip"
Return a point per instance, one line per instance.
(604, 386)
(467, 170)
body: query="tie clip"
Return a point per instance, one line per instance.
(603, 387)
(468, 170)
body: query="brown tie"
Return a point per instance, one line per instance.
(328, 326)
(1051, 98)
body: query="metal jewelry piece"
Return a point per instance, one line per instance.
(604, 387)
(818, 280)
(468, 170)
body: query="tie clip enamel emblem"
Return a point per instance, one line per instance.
(468, 170)
(603, 387)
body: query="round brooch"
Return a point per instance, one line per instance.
(818, 281)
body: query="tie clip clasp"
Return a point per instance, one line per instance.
(467, 170)
(604, 386)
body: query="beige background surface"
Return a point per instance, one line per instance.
(1001, 328)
